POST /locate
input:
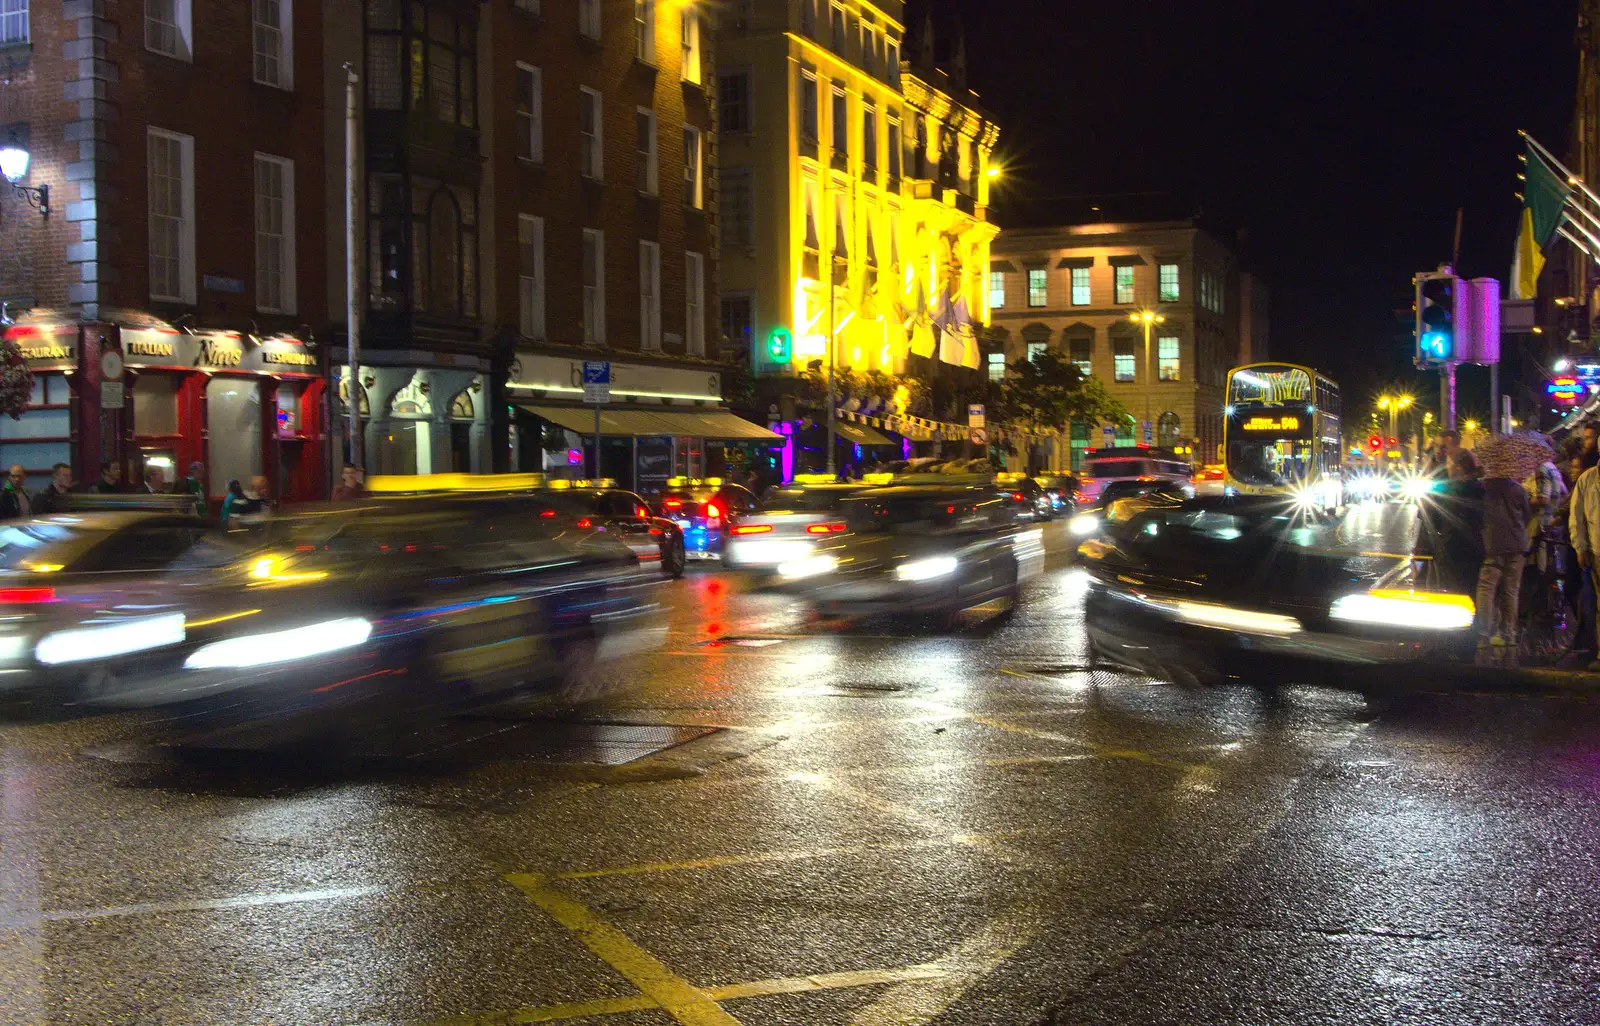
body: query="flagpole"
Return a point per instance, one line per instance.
(1556, 165)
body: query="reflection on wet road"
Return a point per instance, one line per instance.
(773, 820)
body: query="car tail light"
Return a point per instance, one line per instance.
(585, 523)
(26, 596)
(713, 511)
(641, 512)
(1016, 496)
(547, 513)
(756, 529)
(673, 504)
(824, 528)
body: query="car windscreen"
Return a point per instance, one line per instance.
(916, 514)
(1117, 468)
(41, 543)
(808, 500)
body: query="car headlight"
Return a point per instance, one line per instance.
(280, 646)
(1084, 523)
(811, 566)
(1421, 610)
(1248, 621)
(926, 569)
(102, 641)
(1415, 488)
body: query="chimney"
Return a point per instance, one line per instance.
(925, 44)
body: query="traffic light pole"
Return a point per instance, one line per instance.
(1447, 396)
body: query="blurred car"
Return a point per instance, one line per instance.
(1209, 479)
(1060, 488)
(602, 505)
(793, 523)
(1220, 587)
(1103, 467)
(398, 605)
(1028, 499)
(1119, 500)
(921, 550)
(702, 509)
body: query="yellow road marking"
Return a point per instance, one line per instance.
(765, 857)
(921, 1001)
(676, 996)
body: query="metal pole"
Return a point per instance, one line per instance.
(352, 255)
(1447, 397)
(833, 428)
(1495, 426)
(596, 475)
(1149, 377)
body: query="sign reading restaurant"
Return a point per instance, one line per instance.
(46, 347)
(164, 348)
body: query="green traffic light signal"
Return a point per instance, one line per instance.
(780, 345)
(1436, 341)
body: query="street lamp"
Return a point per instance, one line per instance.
(14, 162)
(1147, 318)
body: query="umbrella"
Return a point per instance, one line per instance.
(1515, 455)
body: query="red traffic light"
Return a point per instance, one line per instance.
(1394, 441)
(1375, 443)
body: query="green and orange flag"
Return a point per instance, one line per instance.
(1544, 197)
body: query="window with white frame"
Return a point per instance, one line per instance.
(1038, 287)
(689, 24)
(808, 108)
(694, 287)
(1167, 358)
(649, 295)
(589, 18)
(1124, 283)
(733, 101)
(997, 366)
(808, 18)
(893, 60)
(840, 119)
(594, 285)
(894, 149)
(13, 21)
(1167, 283)
(1080, 286)
(168, 28)
(170, 172)
(869, 137)
(530, 113)
(275, 264)
(1037, 349)
(836, 28)
(997, 290)
(1124, 359)
(590, 142)
(644, 30)
(693, 192)
(647, 178)
(272, 27)
(530, 275)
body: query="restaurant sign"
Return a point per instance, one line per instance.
(46, 347)
(225, 351)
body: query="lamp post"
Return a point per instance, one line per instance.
(1147, 318)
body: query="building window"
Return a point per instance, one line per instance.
(13, 21)
(644, 31)
(531, 6)
(808, 108)
(1124, 284)
(530, 275)
(594, 285)
(841, 234)
(649, 296)
(813, 239)
(1167, 428)
(1125, 362)
(591, 149)
(168, 29)
(589, 18)
(738, 208)
(170, 164)
(647, 178)
(690, 26)
(530, 113)
(836, 28)
(894, 150)
(841, 125)
(1038, 292)
(1168, 283)
(733, 101)
(273, 30)
(808, 17)
(738, 321)
(1080, 350)
(694, 287)
(997, 290)
(692, 193)
(1080, 286)
(997, 366)
(869, 140)
(1167, 357)
(275, 264)
(1037, 349)
(445, 255)
(894, 64)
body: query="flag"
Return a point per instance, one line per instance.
(1544, 197)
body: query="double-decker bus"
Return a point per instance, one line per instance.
(1281, 435)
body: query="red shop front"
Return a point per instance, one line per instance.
(238, 404)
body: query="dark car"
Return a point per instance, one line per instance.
(923, 550)
(794, 522)
(656, 540)
(702, 509)
(1222, 587)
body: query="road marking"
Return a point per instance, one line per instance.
(920, 1001)
(798, 855)
(207, 905)
(677, 997)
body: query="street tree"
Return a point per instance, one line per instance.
(1049, 393)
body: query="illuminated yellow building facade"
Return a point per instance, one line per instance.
(847, 172)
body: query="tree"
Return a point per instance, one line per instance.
(1048, 393)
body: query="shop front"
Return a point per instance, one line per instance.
(42, 436)
(661, 422)
(418, 420)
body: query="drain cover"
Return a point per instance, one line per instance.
(859, 689)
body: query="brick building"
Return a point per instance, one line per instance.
(177, 141)
(1074, 289)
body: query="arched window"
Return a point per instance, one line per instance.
(1167, 427)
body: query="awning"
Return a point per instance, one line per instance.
(860, 434)
(630, 423)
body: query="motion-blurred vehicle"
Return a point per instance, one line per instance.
(1120, 500)
(792, 524)
(602, 505)
(703, 508)
(925, 550)
(1059, 487)
(1210, 479)
(1028, 498)
(1236, 587)
(1103, 467)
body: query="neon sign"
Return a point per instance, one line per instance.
(1565, 389)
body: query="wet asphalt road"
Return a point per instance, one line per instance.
(885, 826)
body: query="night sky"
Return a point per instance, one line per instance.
(1339, 138)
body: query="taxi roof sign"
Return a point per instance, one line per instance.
(412, 484)
(599, 482)
(680, 482)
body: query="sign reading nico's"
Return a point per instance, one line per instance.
(148, 348)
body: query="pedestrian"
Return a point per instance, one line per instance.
(234, 499)
(55, 497)
(1451, 531)
(1583, 531)
(110, 482)
(254, 506)
(1506, 512)
(155, 481)
(14, 500)
(352, 484)
(194, 484)
(1591, 439)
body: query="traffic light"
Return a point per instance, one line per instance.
(1375, 443)
(780, 345)
(1437, 295)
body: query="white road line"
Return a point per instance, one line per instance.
(205, 905)
(920, 1001)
